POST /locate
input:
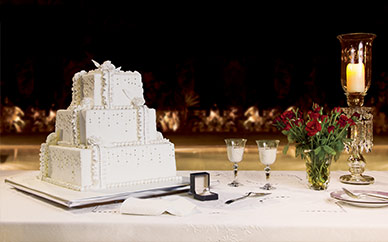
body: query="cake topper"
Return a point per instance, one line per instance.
(107, 65)
(96, 63)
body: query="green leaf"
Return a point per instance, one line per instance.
(290, 139)
(321, 155)
(317, 150)
(323, 140)
(285, 132)
(299, 151)
(337, 156)
(285, 149)
(329, 150)
(339, 146)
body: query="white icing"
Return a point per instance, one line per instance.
(63, 184)
(43, 160)
(101, 167)
(44, 153)
(107, 137)
(126, 88)
(94, 143)
(76, 89)
(63, 127)
(70, 165)
(113, 126)
(139, 162)
(108, 87)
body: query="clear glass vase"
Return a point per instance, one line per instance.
(318, 170)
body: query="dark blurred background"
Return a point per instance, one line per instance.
(194, 57)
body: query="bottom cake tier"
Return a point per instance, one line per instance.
(98, 167)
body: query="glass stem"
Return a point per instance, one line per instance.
(267, 170)
(235, 166)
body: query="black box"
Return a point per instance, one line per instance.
(200, 186)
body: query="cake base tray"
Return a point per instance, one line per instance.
(29, 182)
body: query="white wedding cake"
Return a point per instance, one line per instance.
(107, 137)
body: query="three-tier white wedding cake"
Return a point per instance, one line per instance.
(107, 137)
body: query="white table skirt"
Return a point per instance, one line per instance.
(291, 213)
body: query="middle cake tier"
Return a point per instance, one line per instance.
(138, 125)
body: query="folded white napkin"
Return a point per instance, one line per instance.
(178, 207)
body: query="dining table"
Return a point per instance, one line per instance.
(290, 212)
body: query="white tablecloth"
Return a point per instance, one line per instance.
(291, 213)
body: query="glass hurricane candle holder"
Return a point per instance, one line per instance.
(356, 75)
(356, 66)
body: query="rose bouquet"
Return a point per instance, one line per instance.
(318, 138)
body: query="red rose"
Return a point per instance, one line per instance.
(330, 129)
(298, 122)
(278, 120)
(324, 118)
(351, 122)
(299, 114)
(313, 127)
(288, 127)
(342, 121)
(313, 115)
(316, 107)
(289, 114)
(282, 123)
(337, 110)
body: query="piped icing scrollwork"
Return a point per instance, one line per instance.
(95, 143)
(51, 139)
(76, 89)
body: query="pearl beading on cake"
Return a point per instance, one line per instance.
(43, 161)
(76, 93)
(75, 126)
(43, 155)
(146, 181)
(105, 102)
(123, 144)
(140, 125)
(173, 179)
(96, 107)
(94, 143)
(64, 184)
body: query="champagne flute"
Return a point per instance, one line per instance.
(267, 155)
(235, 150)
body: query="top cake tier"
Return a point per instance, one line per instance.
(107, 87)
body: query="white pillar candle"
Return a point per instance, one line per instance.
(355, 77)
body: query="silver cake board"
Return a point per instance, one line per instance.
(30, 183)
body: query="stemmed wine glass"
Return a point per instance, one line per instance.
(267, 155)
(235, 150)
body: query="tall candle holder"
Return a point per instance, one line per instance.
(362, 136)
(356, 75)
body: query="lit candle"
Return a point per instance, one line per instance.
(355, 77)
